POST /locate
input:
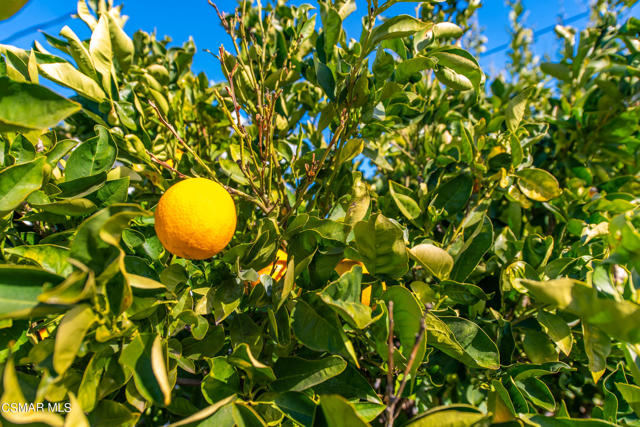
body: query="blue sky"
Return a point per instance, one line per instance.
(196, 18)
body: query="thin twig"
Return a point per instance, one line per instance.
(165, 165)
(188, 381)
(181, 141)
(232, 93)
(412, 359)
(391, 348)
(212, 175)
(310, 180)
(393, 402)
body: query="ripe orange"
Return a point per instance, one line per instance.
(343, 266)
(276, 272)
(195, 218)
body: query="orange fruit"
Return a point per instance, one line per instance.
(178, 157)
(195, 218)
(276, 272)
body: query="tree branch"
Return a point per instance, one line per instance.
(165, 165)
(391, 348)
(180, 140)
(394, 399)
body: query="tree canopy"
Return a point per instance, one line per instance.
(492, 222)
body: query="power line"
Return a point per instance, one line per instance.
(37, 27)
(538, 33)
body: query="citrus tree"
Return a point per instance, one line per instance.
(343, 232)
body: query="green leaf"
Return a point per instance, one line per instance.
(66, 75)
(516, 108)
(101, 51)
(457, 415)
(206, 414)
(208, 346)
(368, 411)
(437, 261)
(325, 78)
(447, 29)
(52, 258)
(19, 289)
(557, 329)
(256, 370)
(70, 334)
(244, 415)
(630, 393)
(10, 8)
(12, 394)
(222, 380)
(537, 250)
(318, 332)
(360, 201)
(79, 52)
(407, 314)
(538, 347)
(344, 296)
(95, 155)
(404, 202)
(223, 300)
(475, 341)
(18, 181)
(473, 251)
(380, 241)
(242, 329)
(453, 195)
(59, 151)
(350, 384)
(463, 340)
(288, 284)
(394, 27)
(71, 207)
(76, 415)
(537, 392)
(457, 68)
(88, 389)
(542, 421)
(597, 345)
(615, 318)
(633, 360)
(29, 106)
(331, 29)
(538, 184)
(613, 400)
(22, 149)
(82, 186)
(349, 150)
(297, 406)
(500, 404)
(143, 358)
(462, 293)
(557, 70)
(510, 276)
(233, 171)
(297, 374)
(121, 44)
(339, 412)
(89, 246)
(406, 69)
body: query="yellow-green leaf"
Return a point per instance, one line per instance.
(28, 106)
(70, 335)
(538, 184)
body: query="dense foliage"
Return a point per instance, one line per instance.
(497, 222)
